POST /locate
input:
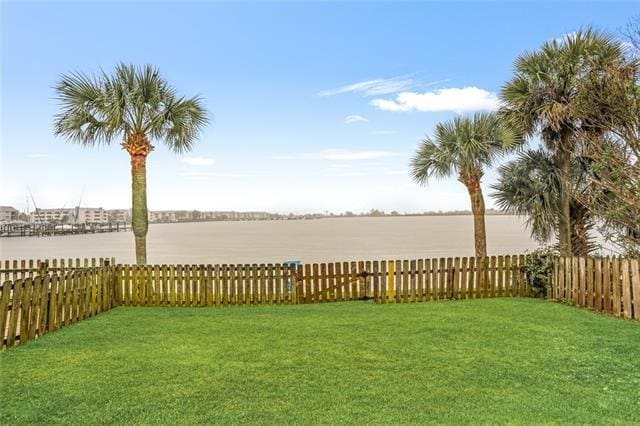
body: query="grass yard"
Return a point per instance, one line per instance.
(480, 361)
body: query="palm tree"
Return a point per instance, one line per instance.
(133, 105)
(464, 146)
(542, 96)
(531, 186)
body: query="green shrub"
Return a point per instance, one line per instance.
(537, 269)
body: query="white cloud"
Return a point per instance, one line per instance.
(350, 119)
(338, 155)
(37, 155)
(198, 161)
(454, 99)
(565, 36)
(345, 174)
(201, 175)
(378, 86)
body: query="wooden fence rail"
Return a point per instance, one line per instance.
(21, 269)
(34, 306)
(610, 285)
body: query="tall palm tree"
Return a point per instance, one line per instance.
(133, 105)
(531, 186)
(463, 147)
(542, 96)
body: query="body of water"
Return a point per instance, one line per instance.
(319, 240)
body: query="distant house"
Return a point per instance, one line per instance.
(71, 215)
(8, 214)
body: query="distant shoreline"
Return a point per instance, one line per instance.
(300, 218)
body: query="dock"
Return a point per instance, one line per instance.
(51, 229)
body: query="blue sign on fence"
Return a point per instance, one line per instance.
(291, 263)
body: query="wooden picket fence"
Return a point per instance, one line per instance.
(39, 299)
(383, 281)
(609, 285)
(33, 306)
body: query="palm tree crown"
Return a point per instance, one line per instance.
(541, 96)
(133, 101)
(463, 146)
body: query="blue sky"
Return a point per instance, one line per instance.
(315, 106)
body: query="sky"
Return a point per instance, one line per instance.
(314, 107)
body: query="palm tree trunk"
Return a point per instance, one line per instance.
(139, 214)
(564, 221)
(477, 208)
(138, 147)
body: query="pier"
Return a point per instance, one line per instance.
(51, 229)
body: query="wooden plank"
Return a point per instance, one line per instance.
(471, 278)
(581, 282)
(224, 295)
(575, 281)
(5, 292)
(616, 287)
(314, 284)
(217, 286)
(338, 282)
(254, 284)
(455, 290)
(412, 282)
(493, 284)
(391, 283)
(259, 283)
(353, 280)
(406, 283)
(43, 313)
(427, 280)
(344, 281)
(420, 292)
(398, 280)
(484, 277)
(634, 264)
(66, 309)
(500, 286)
(18, 285)
(62, 284)
(590, 284)
(384, 279)
(53, 296)
(25, 308)
(625, 270)
(361, 281)
(375, 271)
(36, 294)
(449, 279)
(209, 291)
(607, 291)
(464, 278)
(331, 282)
(324, 283)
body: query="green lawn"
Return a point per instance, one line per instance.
(480, 361)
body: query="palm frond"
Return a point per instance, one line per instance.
(99, 109)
